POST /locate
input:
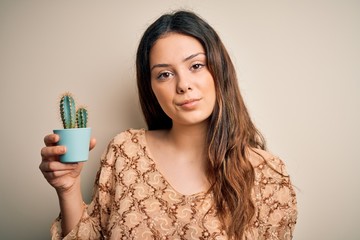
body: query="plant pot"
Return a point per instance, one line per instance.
(76, 141)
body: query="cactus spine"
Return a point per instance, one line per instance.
(69, 116)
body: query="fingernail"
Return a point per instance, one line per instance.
(56, 138)
(63, 149)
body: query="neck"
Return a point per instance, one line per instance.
(188, 137)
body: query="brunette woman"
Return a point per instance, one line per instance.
(199, 171)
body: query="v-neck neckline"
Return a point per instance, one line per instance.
(153, 161)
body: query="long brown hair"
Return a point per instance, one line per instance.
(231, 131)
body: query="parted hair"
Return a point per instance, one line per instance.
(230, 133)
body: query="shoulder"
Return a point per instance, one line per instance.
(266, 162)
(271, 178)
(129, 134)
(125, 141)
(273, 196)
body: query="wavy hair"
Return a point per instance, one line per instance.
(231, 132)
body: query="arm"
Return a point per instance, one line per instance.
(282, 212)
(65, 178)
(276, 202)
(71, 207)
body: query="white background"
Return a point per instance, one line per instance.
(298, 64)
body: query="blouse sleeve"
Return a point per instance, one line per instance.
(92, 224)
(276, 201)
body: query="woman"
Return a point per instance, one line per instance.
(200, 171)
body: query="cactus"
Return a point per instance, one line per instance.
(68, 111)
(69, 116)
(81, 117)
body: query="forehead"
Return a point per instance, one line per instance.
(174, 47)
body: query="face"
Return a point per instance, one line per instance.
(181, 80)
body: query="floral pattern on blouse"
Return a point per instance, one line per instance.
(132, 200)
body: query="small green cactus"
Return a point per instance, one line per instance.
(69, 116)
(81, 117)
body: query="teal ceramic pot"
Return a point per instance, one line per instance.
(76, 141)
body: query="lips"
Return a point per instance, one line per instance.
(188, 102)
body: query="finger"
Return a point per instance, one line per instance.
(53, 166)
(92, 143)
(56, 174)
(51, 139)
(55, 151)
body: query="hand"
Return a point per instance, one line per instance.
(60, 175)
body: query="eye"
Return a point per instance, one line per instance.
(164, 75)
(197, 66)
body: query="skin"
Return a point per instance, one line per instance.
(65, 178)
(179, 75)
(185, 90)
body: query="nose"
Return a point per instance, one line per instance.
(183, 84)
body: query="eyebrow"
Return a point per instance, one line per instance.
(185, 59)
